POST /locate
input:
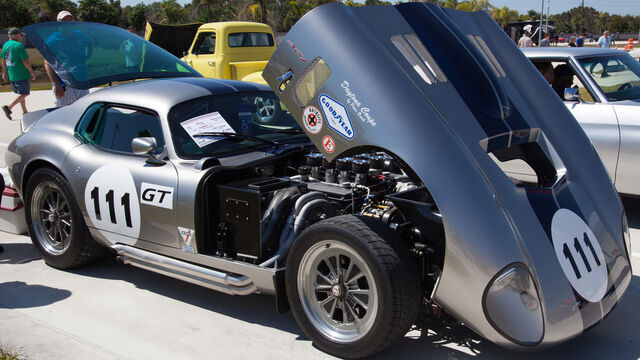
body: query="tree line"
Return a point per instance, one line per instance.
(279, 14)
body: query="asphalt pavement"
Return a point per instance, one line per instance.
(107, 310)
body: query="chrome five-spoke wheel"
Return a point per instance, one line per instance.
(352, 285)
(337, 291)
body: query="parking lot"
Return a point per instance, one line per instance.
(111, 311)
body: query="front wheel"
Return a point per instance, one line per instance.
(352, 286)
(55, 222)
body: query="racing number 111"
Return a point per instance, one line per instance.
(569, 255)
(109, 197)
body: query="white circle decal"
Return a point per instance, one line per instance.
(579, 254)
(312, 119)
(112, 201)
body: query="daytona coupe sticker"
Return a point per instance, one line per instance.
(156, 195)
(363, 112)
(312, 119)
(579, 254)
(336, 116)
(112, 204)
(328, 144)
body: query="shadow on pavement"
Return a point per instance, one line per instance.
(18, 294)
(618, 336)
(258, 309)
(18, 253)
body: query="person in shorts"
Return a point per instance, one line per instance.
(17, 69)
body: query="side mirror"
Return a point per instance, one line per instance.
(571, 94)
(146, 146)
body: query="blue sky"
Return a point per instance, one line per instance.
(621, 7)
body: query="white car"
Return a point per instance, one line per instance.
(607, 105)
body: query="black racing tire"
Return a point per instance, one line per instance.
(376, 282)
(55, 222)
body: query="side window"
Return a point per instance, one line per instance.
(118, 126)
(87, 125)
(205, 43)
(566, 77)
(250, 39)
(560, 75)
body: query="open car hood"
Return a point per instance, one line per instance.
(451, 97)
(85, 54)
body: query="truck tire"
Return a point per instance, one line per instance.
(55, 222)
(266, 109)
(352, 286)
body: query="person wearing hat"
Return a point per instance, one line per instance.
(17, 69)
(73, 42)
(563, 78)
(525, 40)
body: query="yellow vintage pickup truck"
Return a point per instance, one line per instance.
(226, 50)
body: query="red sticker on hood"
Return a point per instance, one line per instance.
(328, 144)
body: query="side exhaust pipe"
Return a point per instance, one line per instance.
(213, 279)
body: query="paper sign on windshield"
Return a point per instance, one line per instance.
(212, 122)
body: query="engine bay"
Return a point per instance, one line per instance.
(254, 213)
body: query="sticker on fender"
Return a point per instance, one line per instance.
(112, 204)
(312, 119)
(579, 254)
(156, 195)
(337, 116)
(328, 144)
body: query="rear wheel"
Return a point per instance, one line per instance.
(55, 222)
(352, 286)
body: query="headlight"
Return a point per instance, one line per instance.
(512, 305)
(627, 235)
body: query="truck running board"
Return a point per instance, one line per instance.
(228, 283)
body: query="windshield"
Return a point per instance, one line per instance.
(256, 114)
(85, 55)
(618, 76)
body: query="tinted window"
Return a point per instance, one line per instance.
(205, 43)
(258, 114)
(118, 126)
(250, 39)
(617, 76)
(89, 54)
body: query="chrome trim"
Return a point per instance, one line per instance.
(229, 283)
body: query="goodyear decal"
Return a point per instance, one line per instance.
(336, 116)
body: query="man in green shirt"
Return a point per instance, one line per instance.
(17, 69)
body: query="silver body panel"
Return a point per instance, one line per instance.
(612, 126)
(435, 125)
(51, 141)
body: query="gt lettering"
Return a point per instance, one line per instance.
(150, 194)
(156, 195)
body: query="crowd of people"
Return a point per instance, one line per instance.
(525, 41)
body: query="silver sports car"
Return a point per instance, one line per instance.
(367, 191)
(607, 104)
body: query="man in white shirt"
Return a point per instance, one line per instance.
(605, 40)
(525, 40)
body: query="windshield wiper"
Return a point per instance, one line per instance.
(236, 136)
(288, 131)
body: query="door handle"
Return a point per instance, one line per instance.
(211, 63)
